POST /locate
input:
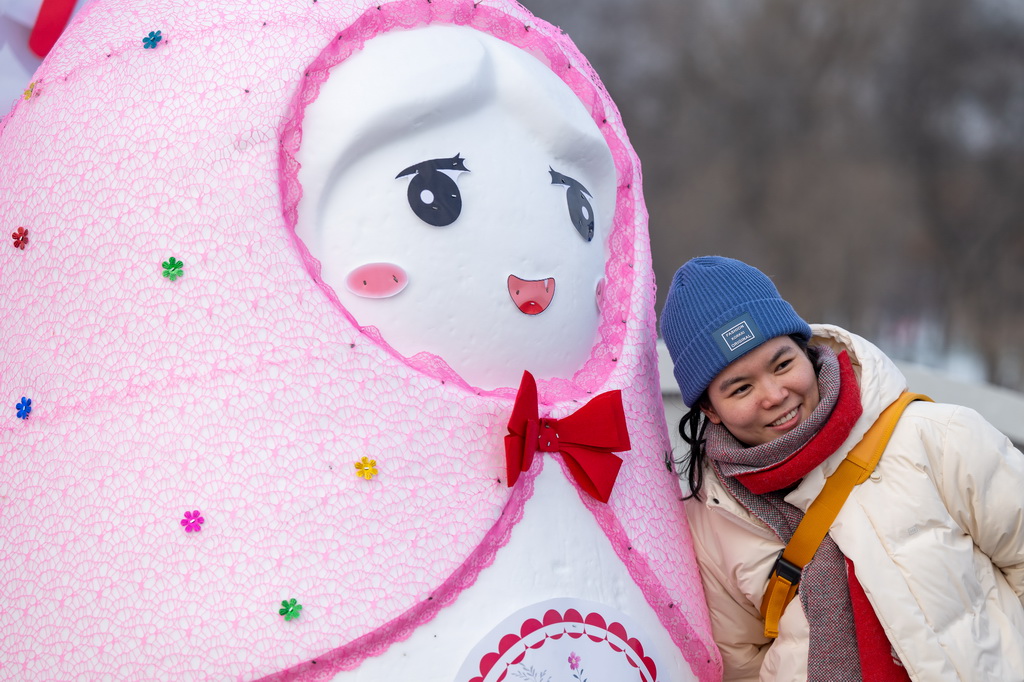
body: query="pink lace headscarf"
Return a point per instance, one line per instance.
(243, 389)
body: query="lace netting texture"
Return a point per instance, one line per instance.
(242, 388)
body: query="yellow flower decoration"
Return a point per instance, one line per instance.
(31, 87)
(366, 468)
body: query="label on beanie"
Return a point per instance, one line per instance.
(737, 336)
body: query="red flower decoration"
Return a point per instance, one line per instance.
(20, 238)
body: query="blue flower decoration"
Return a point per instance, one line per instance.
(150, 41)
(24, 407)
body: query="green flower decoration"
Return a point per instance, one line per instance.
(290, 609)
(173, 268)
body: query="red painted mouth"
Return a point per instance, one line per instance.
(531, 296)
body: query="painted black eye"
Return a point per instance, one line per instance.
(433, 195)
(581, 213)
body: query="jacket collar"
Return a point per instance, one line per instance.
(881, 382)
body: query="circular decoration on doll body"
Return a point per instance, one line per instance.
(466, 212)
(561, 639)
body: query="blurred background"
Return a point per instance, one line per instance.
(868, 156)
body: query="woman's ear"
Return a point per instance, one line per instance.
(710, 413)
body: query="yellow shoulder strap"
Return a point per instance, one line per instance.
(853, 470)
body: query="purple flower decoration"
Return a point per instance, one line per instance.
(574, 661)
(193, 522)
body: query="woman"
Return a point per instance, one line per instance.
(921, 575)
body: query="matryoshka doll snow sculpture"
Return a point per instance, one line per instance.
(283, 268)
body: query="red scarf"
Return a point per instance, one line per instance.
(878, 661)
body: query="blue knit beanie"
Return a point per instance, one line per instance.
(717, 310)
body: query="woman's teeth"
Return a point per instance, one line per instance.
(785, 418)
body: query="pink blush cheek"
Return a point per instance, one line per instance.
(377, 280)
(599, 294)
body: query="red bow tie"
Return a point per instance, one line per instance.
(586, 438)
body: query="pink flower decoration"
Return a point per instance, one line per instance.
(193, 521)
(574, 661)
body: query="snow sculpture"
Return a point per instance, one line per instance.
(276, 270)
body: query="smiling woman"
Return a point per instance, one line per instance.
(776, 405)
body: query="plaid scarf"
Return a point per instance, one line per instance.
(759, 477)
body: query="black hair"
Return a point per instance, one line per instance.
(694, 423)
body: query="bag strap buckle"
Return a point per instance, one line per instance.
(787, 570)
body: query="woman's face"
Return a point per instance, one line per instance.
(764, 394)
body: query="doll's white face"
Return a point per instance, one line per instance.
(459, 198)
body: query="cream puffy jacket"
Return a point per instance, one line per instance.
(936, 536)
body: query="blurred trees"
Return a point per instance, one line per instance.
(868, 155)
